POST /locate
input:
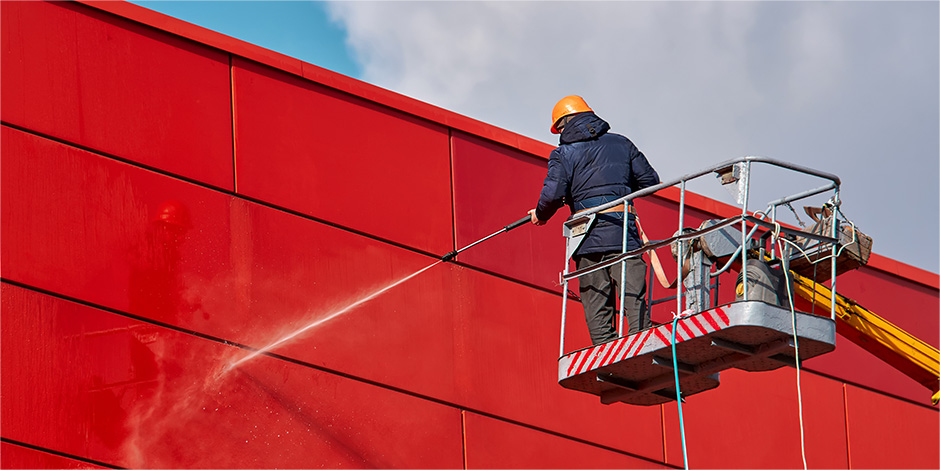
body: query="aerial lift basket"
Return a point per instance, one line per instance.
(751, 334)
(747, 335)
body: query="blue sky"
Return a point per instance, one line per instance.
(846, 87)
(300, 29)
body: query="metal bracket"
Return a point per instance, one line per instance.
(654, 385)
(575, 230)
(682, 366)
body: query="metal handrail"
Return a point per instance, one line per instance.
(744, 218)
(652, 246)
(655, 188)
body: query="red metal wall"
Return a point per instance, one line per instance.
(171, 199)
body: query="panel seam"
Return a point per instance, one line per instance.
(231, 81)
(845, 421)
(453, 194)
(662, 422)
(463, 435)
(58, 453)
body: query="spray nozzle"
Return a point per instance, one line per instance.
(449, 256)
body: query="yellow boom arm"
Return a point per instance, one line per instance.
(888, 342)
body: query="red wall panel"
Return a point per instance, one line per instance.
(492, 443)
(16, 456)
(335, 289)
(910, 305)
(86, 382)
(888, 433)
(227, 268)
(340, 158)
(102, 82)
(853, 364)
(506, 350)
(108, 232)
(752, 421)
(494, 186)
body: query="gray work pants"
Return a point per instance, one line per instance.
(599, 295)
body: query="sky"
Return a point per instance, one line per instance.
(847, 87)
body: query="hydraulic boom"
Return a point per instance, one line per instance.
(906, 353)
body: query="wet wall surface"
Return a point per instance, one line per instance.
(169, 208)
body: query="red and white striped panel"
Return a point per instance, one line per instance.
(599, 356)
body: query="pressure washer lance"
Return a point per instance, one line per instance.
(453, 254)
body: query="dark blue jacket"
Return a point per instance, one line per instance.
(590, 167)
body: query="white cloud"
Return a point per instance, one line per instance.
(845, 87)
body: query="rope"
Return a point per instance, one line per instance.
(838, 253)
(854, 231)
(798, 219)
(675, 369)
(796, 345)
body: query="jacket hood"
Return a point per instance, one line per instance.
(583, 126)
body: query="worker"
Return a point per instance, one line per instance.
(590, 167)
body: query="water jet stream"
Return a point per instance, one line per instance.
(323, 320)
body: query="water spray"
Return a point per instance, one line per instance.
(453, 254)
(320, 321)
(325, 319)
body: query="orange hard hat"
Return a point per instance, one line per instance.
(568, 105)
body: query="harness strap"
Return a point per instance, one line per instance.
(592, 202)
(618, 208)
(654, 259)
